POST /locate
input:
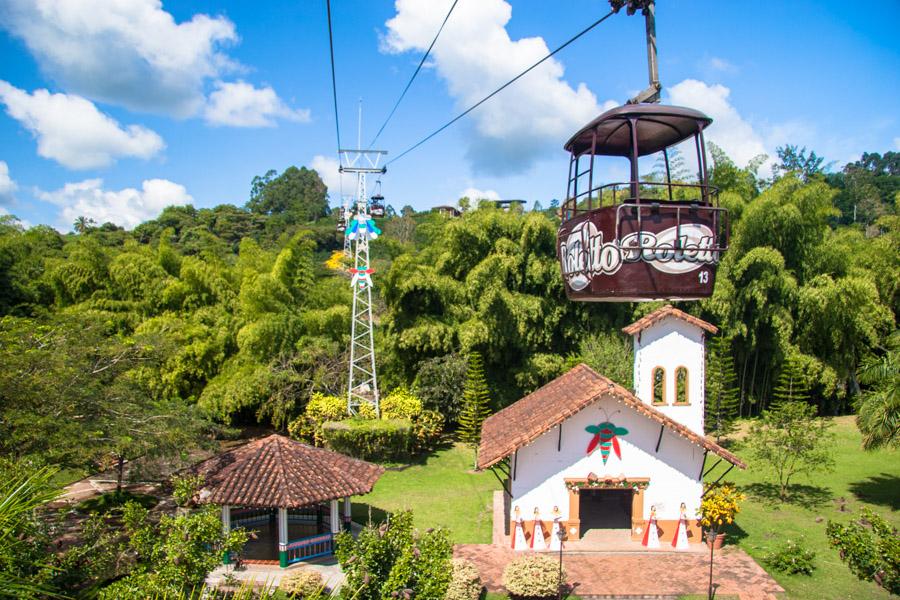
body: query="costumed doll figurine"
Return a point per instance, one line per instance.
(538, 535)
(651, 532)
(556, 530)
(518, 536)
(679, 540)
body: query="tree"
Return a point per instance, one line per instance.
(476, 402)
(174, 555)
(610, 354)
(791, 441)
(791, 385)
(806, 166)
(440, 383)
(878, 406)
(83, 224)
(722, 401)
(295, 196)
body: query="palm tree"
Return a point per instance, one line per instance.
(83, 223)
(20, 497)
(878, 408)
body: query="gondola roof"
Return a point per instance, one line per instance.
(658, 128)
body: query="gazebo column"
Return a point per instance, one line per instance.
(226, 529)
(282, 537)
(335, 518)
(347, 514)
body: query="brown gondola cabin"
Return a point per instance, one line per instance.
(644, 239)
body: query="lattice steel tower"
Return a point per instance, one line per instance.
(362, 384)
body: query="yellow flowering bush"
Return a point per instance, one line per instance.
(337, 261)
(720, 504)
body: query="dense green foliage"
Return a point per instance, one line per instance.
(122, 345)
(870, 547)
(392, 559)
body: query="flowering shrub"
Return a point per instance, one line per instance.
(533, 576)
(465, 582)
(870, 547)
(400, 404)
(302, 584)
(319, 410)
(719, 506)
(791, 558)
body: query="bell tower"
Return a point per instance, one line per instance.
(670, 364)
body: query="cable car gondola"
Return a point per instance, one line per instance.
(642, 239)
(639, 240)
(376, 206)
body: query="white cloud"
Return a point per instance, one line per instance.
(8, 187)
(129, 52)
(474, 56)
(897, 143)
(327, 168)
(127, 207)
(71, 131)
(730, 131)
(240, 104)
(720, 64)
(474, 194)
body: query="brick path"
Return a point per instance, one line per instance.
(660, 575)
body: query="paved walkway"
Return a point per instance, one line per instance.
(639, 575)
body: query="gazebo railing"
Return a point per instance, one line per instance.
(310, 547)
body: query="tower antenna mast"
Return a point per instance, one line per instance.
(362, 383)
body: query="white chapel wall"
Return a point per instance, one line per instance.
(672, 343)
(541, 470)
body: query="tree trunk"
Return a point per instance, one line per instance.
(120, 473)
(753, 377)
(743, 385)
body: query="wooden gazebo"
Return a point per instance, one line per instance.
(285, 490)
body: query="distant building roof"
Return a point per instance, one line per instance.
(668, 311)
(278, 472)
(524, 421)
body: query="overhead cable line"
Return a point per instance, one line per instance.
(337, 124)
(499, 89)
(409, 83)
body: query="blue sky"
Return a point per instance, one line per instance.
(116, 113)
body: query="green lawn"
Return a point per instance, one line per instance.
(442, 491)
(860, 479)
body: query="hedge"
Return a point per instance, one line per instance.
(370, 439)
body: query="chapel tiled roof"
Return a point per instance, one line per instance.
(668, 311)
(278, 472)
(524, 421)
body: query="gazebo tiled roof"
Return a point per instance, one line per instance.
(527, 419)
(668, 311)
(278, 472)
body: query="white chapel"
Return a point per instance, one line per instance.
(584, 454)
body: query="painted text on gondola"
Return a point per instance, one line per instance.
(584, 253)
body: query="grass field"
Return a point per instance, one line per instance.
(859, 479)
(442, 491)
